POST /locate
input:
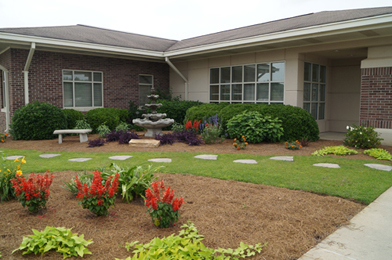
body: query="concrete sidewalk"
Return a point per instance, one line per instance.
(367, 237)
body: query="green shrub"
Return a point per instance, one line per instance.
(177, 127)
(207, 109)
(110, 116)
(37, 121)
(122, 126)
(296, 122)
(336, 150)
(72, 115)
(255, 127)
(82, 124)
(187, 245)
(379, 154)
(103, 130)
(362, 137)
(176, 109)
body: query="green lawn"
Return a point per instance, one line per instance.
(353, 180)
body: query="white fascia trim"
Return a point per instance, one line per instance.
(81, 46)
(296, 34)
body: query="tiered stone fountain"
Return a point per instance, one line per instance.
(153, 122)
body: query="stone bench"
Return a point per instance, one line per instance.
(82, 134)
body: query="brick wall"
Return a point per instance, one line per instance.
(120, 77)
(376, 97)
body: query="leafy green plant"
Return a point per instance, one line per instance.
(103, 130)
(72, 115)
(255, 127)
(82, 124)
(33, 193)
(60, 239)
(362, 137)
(122, 126)
(337, 150)
(379, 154)
(133, 181)
(85, 178)
(240, 143)
(98, 197)
(187, 245)
(177, 127)
(7, 173)
(164, 212)
(37, 121)
(293, 145)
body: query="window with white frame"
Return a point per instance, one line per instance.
(252, 83)
(3, 85)
(315, 79)
(145, 85)
(82, 89)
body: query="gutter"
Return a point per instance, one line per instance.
(180, 74)
(26, 72)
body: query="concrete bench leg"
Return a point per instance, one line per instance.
(83, 138)
(60, 138)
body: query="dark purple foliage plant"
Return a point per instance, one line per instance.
(113, 136)
(166, 138)
(188, 137)
(96, 142)
(126, 136)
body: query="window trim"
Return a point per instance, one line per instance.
(144, 84)
(319, 83)
(73, 89)
(243, 83)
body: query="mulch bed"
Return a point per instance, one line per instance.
(225, 212)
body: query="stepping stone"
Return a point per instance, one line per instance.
(381, 167)
(120, 157)
(160, 160)
(14, 157)
(283, 158)
(248, 161)
(207, 156)
(327, 165)
(79, 159)
(144, 143)
(49, 155)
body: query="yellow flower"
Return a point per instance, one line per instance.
(8, 170)
(18, 167)
(18, 173)
(23, 160)
(16, 160)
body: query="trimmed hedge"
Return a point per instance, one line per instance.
(177, 109)
(37, 121)
(110, 116)
(207, 109)
(72, 115)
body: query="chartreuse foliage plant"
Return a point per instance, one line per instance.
(60, 239)
(379, 154)
(187, 245)
(255, 127)
(336, 150)
(132, 181)
(361, 137)
(103, 130)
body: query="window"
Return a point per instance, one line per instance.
(82, 89)
(3, 85)
(145, 85)
(315, 78)
(252, 83)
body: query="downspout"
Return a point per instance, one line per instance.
(26, 72)
(180, 74)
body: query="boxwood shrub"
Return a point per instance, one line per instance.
(37, 121)
(176, 109)
(72, 116)
(110, 116)
(207, 109)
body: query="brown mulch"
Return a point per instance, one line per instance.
(225, 212)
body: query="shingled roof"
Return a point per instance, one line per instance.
(89, 34)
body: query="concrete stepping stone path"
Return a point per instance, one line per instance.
(283, 158)
(381, 167)
(13, 157)
(247, 161)
(49, 155)
(207, 156)
(120, 157)
(327, 165)
(167, 160)
(79, 159)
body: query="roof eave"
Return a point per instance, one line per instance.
(284, 36)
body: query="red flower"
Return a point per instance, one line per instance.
(99, 202)
(188, 124)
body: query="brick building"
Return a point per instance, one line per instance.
(337, 65)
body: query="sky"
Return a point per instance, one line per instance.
(170, 19)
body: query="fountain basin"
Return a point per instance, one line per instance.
(153, 128)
